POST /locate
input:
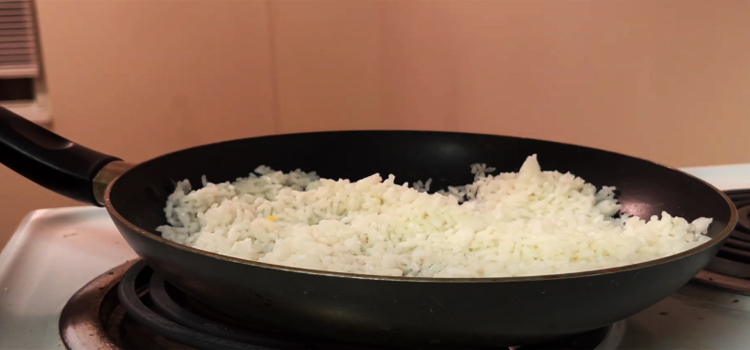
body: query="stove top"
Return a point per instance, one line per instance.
(77, 252)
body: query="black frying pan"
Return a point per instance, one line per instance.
(393, 311)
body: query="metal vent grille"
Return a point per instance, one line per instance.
(734, 257)
(18, 45)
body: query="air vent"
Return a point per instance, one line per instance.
(18, 45)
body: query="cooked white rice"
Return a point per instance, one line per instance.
(514, 224)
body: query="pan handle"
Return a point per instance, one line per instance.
(49, 159)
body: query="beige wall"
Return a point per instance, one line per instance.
(666, 80)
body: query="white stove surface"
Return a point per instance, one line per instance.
(55, 252)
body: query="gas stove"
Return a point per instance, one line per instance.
(68, 280)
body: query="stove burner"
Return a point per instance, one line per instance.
(733, 259)
(130, 307)
(171, 313)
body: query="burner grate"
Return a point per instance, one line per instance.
(166, 311)
(733, 259)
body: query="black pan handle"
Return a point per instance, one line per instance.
(49, 159)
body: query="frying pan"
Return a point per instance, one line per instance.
(387, 311)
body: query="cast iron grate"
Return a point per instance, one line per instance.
(734, 257)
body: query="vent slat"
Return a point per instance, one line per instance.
(16, 25)
(17, 45)
(17, 32)
(23, 51)
(17, 59)
(14, 5)
(19, 71)
(18, 39)
(17, 18)
(14, 12)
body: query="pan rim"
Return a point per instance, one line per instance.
(719, 238)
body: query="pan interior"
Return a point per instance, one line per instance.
(644, 188)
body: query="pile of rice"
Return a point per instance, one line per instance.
(532, 222)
